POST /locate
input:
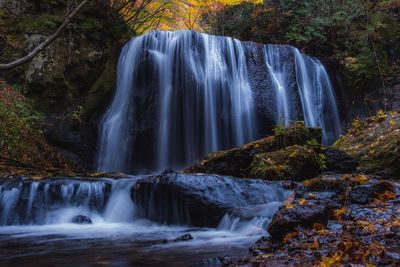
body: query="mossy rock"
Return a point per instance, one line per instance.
(236, 161)
(291, 163)
(375, 144)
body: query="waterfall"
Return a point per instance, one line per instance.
(204, 100)
(280, 70)
(317, 96)
(314, 88)
(181, 95)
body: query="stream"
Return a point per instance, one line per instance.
(37, 230)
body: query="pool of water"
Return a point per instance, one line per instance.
(142, 243)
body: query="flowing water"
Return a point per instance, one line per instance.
(313, 86)
(36, 228)
(181, 95)
(204, 99)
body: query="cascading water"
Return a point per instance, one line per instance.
(317, 96)
(37, 215)
(311, 83)
(181, 95)
(27, 202)
(204, 101)
(279, 71)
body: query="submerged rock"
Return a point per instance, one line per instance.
(81, 219)
(185, 237)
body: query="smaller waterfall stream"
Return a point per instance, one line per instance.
(311, 83)
(37, 216)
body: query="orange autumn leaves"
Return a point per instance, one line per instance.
(187, 14)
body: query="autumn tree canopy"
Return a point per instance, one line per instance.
(146, 15)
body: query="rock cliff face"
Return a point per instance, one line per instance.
(72, 80)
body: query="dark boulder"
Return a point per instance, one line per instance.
(291, 163)
(361, 194)
(81, 219)
(199, 200)
(339, 161)
(364, 194)
(288, 219)
(263, 245)
(375, 144)
(236, 161)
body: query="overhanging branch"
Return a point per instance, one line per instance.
(47, 42)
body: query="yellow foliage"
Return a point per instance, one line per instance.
(366, 226)
(339, 213)
(317, 226)
(289, 206)
(302, 201)
(361, 179)
(315, 244)
(307, 183)
(323, 232)
(386, 196)
(187, 14)
(330, 261)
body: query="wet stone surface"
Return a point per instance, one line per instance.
(354, 232)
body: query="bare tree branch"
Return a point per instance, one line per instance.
(47, 42)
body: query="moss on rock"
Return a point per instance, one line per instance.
(291, 163)
(23, 148)
(375, 143)
(236, 161)
(70, 81)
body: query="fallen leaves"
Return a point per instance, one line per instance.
(315, 244)
(387, 195)
(289, 206)
(307, 183)
(290, 236)
(366, 226)
(302, 201)
(359, 179)
(339, 213)
(330, 261)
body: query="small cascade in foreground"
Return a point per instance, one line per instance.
(59, 201)
(174, 218)
(181, 95)
(172, 199)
